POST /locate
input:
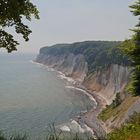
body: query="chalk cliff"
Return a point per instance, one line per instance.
(100, 67)
(71, 65)
(108, 81)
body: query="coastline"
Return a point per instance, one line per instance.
(89, 118)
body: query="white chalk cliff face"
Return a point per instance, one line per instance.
(106, 82)
(109, 81)
(71, 65)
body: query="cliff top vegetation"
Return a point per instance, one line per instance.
(98, 54)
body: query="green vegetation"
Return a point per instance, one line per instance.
(129, 131)
(132, 49)
(51, 134)
(117, 101)
(12, 13)
(48, 137)
(98, 54)
(135, 52)
(117, 111)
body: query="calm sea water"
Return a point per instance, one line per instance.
(31, 97)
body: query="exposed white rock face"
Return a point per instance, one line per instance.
(106, 82)
(71, 65)
(109, 81)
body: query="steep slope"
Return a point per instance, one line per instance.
(97, 54)
(99, 65)
(71, 65)
(102, 69)
(108, 81)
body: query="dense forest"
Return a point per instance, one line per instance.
(98, 54)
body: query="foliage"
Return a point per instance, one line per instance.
(51, 136)
(117, 100)
(132, 49)
(110, 109)
(98, 54)
(117, 111)
(13, 137)
(12, 13)
(129, 131)
(106, 113)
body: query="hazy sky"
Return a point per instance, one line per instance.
(65, 21)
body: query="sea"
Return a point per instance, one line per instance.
(34, 97)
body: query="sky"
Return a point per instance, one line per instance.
(67, 21)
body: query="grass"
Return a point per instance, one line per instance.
(51, 134)
(48, 137)
(129, 131)
(119, 111)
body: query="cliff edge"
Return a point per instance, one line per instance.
(100, 67)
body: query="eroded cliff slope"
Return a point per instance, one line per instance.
(108, 81)
(101, 68)
(98, 65)
(74, 66)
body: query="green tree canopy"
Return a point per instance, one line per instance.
(12, 13)
(134, 53)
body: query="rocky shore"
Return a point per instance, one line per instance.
(89, 118)
(101, 85)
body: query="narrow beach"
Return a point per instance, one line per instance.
(89, 118)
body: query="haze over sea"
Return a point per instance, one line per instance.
(32, 97)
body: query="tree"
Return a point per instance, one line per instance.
(117, 100)
(134, 50)
(12, 13)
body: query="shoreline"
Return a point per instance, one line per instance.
(89, 117)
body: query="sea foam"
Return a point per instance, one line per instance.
(85, 92)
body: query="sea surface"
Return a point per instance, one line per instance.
(32, 97)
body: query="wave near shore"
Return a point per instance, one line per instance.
(74, 125)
